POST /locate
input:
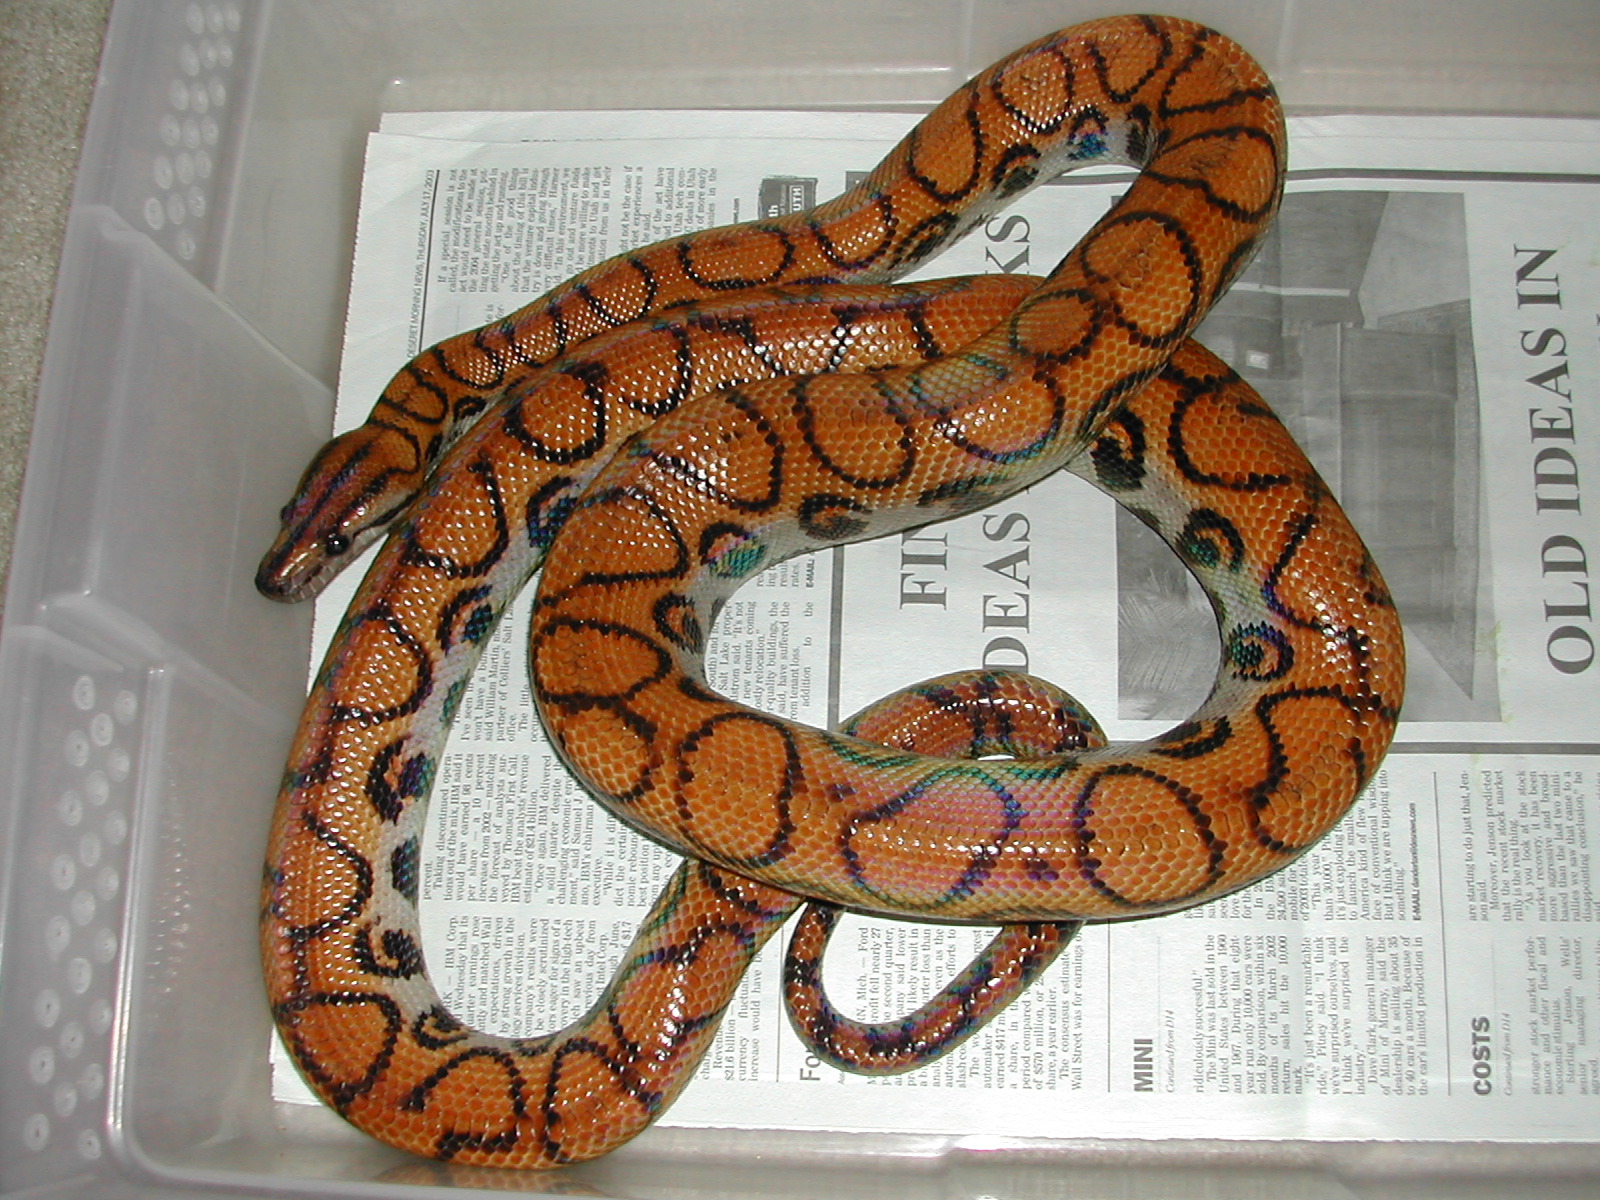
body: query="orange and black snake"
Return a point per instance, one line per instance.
(798, 403)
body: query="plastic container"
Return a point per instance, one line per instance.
(147, 694)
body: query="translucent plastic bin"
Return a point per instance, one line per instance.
(147, 694)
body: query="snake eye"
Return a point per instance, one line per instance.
(336, 544)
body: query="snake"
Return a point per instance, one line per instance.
(650, 434)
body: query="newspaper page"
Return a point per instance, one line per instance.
(1426, 317)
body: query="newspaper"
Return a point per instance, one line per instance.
(1426, 318)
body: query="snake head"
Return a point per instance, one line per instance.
(352, 491)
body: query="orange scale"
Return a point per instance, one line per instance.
(471, 536)
(475, 1100)
(329, 961)
(1037, 89)
(1127, 63)
(861, 236)
(623, 536)
(723, 259)
(1319, 737)
(1322, 583)
(616, 756)
(1220, 445)
(736, 774)
(1056, 325)
(732, 456)
(1029, 417)
(349, 1035)
(533, 336)
(391, 671)
(798, 342)
(559, 416)
(1141, 840)
(304, 858)
(915, 722)
(956, 829)
(847, 422)
(673, 993)
(465, 359)
(614, 297)
(652, 373)
(946, 154)
(579, 660)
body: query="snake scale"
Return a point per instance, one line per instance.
(666, 424)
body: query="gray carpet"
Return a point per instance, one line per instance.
(49, 52)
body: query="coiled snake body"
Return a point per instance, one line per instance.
(937, 399)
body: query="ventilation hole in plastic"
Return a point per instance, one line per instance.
(198, 91)
(104, 946)
(57, 935)
(76, 748)
(65, 1099)
(36, 1132)
(63, 872)
(92, 1082)
(42, 1065)
(100, 1017)
(72, 1039)
(76, 853)
(47, 1008)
